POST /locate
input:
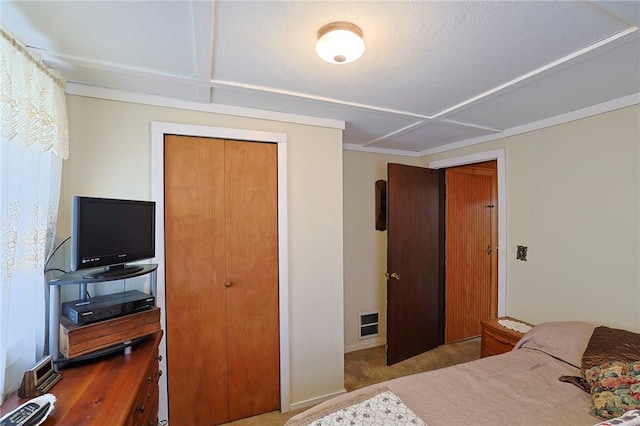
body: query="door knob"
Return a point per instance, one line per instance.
(228, 284)
(393, 275)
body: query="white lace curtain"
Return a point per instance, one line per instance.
(34, 140)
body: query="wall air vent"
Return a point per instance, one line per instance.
(369, 325)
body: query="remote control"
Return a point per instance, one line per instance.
(28, 414)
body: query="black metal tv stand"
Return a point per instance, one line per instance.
(83, 278)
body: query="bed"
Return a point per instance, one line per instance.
(521, 387)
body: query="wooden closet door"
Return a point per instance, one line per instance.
(196, 310)
(251, 211)
(471, 282)
(221, 236)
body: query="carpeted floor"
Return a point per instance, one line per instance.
(368, 366)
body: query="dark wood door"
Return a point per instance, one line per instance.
(221, 262)
(415, 261)
(471, 260)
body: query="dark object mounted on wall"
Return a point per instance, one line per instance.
(381, 205)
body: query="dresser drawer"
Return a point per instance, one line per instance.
(497, 339)
(495, 343)
(146, 402)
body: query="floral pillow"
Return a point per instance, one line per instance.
(605, 345)
(615, 388)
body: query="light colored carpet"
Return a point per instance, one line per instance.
(368, 366)
(274, 418)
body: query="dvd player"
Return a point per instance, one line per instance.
(100, 308)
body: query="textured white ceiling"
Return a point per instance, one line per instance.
(433, 73)
(422, 57)
(590, 79)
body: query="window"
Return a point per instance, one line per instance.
(34, 141)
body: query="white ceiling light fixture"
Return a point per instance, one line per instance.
(340, 42)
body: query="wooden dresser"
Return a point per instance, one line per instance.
(497, 339)
(115, 390)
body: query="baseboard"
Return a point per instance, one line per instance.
(365, 344)
(314, 401)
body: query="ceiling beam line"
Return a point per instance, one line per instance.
(424, 119)
(604, 107)
(203, 37)
(50, 56)
(535, 73)
(253, 87)
(464, 125)
(420, 124)
(398, 132)
(162, 101)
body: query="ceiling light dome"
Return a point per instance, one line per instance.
(340, 42)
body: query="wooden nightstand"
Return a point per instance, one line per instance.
(497, 339)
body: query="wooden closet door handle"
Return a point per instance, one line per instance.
(228, 284)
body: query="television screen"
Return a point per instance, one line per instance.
(111, 232)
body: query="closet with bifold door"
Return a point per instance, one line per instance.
(221, 268)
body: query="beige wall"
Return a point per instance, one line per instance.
(110, 157)
(573, 197)
(365, 254)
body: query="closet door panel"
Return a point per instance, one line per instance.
(251, 211)
(195, 277)
(471, 285)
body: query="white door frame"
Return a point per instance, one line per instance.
(497, 155)
(158, 131)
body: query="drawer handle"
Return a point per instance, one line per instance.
(141, 408)
(149, 380)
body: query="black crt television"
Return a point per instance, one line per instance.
(110, 233)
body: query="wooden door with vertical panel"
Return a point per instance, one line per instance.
(221, 279)
(471, 244)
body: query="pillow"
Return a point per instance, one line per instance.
(565, 341)
(615, 388)
(609, 344)
(605, 346)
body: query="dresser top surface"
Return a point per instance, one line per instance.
(92, 392)
(493, 324)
